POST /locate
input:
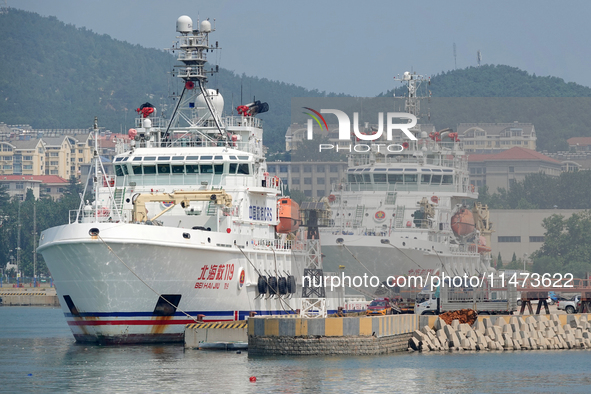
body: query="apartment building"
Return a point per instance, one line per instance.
(57, 156)
(503, 169)
(486, 138)
(314, 179)
(22, 157)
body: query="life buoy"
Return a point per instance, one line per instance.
(241, 278)
(408, 224)
(332, 198)
(434, 199)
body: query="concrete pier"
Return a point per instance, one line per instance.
(224, 336)
(45, 296)
(332, 335)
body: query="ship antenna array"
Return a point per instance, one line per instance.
(413, 82)
(192, 49)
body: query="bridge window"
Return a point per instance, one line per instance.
(410, 179)
(149, 170)
(118, 171)
(425, 179)
(178, 169)
(192, 168)
(233, 167)
(206, 169)
(137, 170)
(351, 178)
(448, 180)
(395, 178)
(379, 178)
(435, 179)
(218, 169)
(163, 168)
(243, 168)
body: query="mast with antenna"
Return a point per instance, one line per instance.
(455, 58)
(412, 104)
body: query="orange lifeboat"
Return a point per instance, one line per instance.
(289, 216)
(462, 222)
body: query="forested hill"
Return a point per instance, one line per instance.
(499, 81)
(54, 75)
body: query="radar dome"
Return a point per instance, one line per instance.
(184, 24)
(215, 99)
(205, 26)
(406, 76)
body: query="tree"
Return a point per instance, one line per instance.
(566, 248)
(499, 262)
(298, 196)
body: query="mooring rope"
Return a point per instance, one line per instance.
(147, 285)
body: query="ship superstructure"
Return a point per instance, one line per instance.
(186, 227)
(410, 212)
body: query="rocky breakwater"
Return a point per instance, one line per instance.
(531, 333)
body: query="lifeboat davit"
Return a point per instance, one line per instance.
(289, 216)
(462, 222)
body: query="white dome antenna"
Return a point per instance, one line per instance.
(205, 27)
(184, 24)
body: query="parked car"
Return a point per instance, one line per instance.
(379, 306)
(569, 306)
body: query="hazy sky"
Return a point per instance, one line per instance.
(355, 47)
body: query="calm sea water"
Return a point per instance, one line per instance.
(38, 354)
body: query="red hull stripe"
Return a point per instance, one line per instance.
(136, 322)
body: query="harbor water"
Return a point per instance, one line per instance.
(38, 354)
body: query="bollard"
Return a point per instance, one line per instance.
(200, 318)
(252, 314)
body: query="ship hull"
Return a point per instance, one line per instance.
(109, 285)
(355, 256)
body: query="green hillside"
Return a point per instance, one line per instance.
(54, 75)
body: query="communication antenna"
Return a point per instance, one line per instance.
(455, 58)
(478, 57)
(4, 8)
